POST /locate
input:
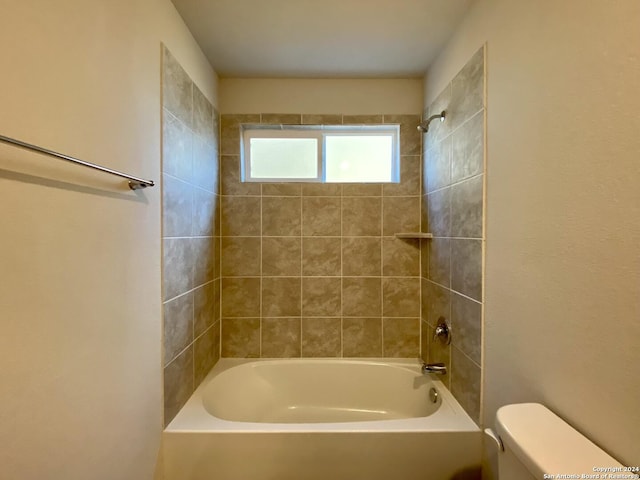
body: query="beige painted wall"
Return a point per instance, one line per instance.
(80, 374)
(563, 208)
(296, 95)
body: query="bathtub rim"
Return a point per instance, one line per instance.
(450, 417)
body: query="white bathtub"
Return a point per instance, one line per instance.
(328, 419)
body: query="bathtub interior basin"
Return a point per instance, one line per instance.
(318, 391)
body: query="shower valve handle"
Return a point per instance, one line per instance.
(442, 332)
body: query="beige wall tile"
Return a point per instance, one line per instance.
(361, 297)
(466, 267)
(204, 307)
(424, 258)
(281, 216)
(321, 189)
(401, 214)
(281, 296)
(205, 165)
(230, 132)
(177, 91)
(362, 337)
(424, 341)
(281, 189)
(362, 119)
(400, 257)
(178, 384)
(439, 212)
(217, 263)
(321, 337)
(217, 296)
(467, 150)
(241, 216)
(465, 383)
(437, 163)
(202, 115)
(280, 119)
(466, 208)
(206, 352)
(241, 297)
(440, 261)
(176, 264)
(321, 256)
(362, 189)
(322, 119)
(401, 297)
(361, 256)
(241, 256)
(280, 337)
(203, 260)
(467, 91)
(321, 296)
(178, 326)
(177, 207)
(240, 337)
(401, 337)
(438, 303)
(205, 215)
(410, 137)
(361, 216)
(281, 256)
(321, 216)
(466, 322)
(410, 179)
(177, 147)
(231, 183)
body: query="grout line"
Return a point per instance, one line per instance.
(177, 355)
(312, 236)
(261, 262)
(464, 353)
(479, 239)
(341, 266)
(454, 184)
(421, 177)
(187, 292)
(301, 253)
(321, 316)
(321, 276)
(456, 292)
(381, 285)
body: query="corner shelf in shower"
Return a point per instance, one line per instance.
(413, 235)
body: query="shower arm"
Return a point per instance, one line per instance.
(424, 126)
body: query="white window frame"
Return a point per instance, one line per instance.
(318, 132)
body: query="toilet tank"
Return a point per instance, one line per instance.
(537, 443)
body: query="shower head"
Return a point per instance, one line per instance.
(424, 126)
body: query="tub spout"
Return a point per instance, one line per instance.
(437, 368)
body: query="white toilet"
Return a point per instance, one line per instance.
(538, 444)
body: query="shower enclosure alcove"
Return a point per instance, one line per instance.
(263, 270)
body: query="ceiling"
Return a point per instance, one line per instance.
(321, 38)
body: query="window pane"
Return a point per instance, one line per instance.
(359, 158)
(284, 158)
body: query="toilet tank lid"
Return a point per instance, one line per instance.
(546, 444)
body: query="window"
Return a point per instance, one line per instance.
(331, 154)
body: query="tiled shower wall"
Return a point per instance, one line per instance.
(314, 270)
(191, 242)
(453, 205)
